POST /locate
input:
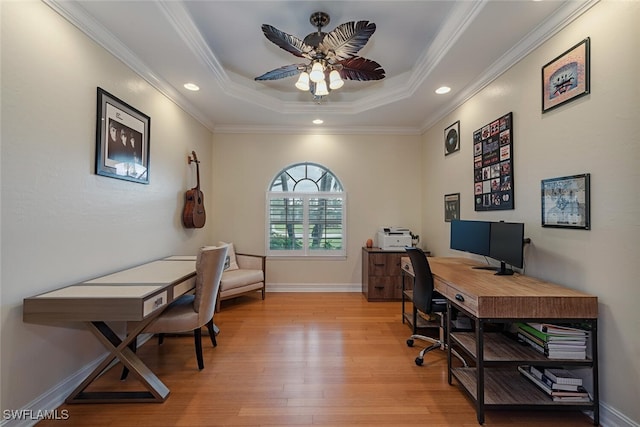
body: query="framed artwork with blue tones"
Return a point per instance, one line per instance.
(566, 202)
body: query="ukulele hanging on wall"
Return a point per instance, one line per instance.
(193, 215)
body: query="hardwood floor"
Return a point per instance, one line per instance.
(300, 360)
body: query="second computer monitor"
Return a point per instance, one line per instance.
(506, 245)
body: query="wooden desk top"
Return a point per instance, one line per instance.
(157, 272)
(130, 294)
(486, 295)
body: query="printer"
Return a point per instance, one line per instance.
(393, 238)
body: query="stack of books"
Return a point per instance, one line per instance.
(558, 383)
(555, 341)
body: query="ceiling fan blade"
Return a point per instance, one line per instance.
(290, 43)
(282, 72)
(346, 40)
(362, 69)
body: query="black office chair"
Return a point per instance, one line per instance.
(427, 300)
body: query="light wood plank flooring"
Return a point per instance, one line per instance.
(303, 359)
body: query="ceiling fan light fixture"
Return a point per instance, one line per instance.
(317, 72)
(332, 56)
(335, 81)
(321, 88)
(303, 81)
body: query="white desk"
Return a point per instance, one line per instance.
(135, 294)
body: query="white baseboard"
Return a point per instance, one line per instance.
(44, 406)
(611, 417)
(314, 287)
(48, 401)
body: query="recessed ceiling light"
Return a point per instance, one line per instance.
(443, 90)
(191, 86)
(318, 121)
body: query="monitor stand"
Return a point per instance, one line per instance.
(485, 267)
(503, 270)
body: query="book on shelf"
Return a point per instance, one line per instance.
(538, 372)
(574, 351)
(549, 337)
(526, 371)
(562, 376)
(572, 399)
(552, 329)
(567, 346)
(563, 354)
(534, 344)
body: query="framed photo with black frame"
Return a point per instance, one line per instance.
(122, 140)
(452, 138)
(566, 202)
(451, 207)
(493, 165)
(566, 77)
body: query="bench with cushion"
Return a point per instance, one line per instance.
(243, 274)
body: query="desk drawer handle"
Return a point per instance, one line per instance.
(459, 297)
(379, 265)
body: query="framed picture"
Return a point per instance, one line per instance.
(122, 140)
(566, 77)
(452, 138)
(566, 202)
(451, 207)
(493, 165)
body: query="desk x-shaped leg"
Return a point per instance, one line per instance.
(119, 349)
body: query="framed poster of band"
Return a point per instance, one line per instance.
(493, 165)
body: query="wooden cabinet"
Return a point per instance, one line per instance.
(381, 274)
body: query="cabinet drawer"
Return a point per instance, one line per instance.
(458, 297)
(384, 264)
(153, 303)
(383, 287)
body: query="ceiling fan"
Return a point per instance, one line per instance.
(332, 55)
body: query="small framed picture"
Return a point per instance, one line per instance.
(566, 77)
(122, 140)
(566, 202)
(452, 138)
(451, 207)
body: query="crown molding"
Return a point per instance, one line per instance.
(569, 12)
(390, 92)
(77, 16)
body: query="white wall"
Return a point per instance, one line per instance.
(598, 134)
(380, 174)
(61, 223)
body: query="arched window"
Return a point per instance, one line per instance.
(306, 208)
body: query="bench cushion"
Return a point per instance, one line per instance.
(238, 278)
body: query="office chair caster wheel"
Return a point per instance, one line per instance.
(419, 361)
(410, 342)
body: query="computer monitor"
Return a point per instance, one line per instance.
(506, 245)
(470, 236)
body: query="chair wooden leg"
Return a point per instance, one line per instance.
(160, 338)
(197, 336)
(212, 332)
